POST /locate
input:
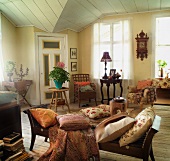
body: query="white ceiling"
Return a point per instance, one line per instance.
(58, 15)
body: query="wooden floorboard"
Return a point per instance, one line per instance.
(161, 141)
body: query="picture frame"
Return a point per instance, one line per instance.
(112, 72)
(73, 66)
(73, 53)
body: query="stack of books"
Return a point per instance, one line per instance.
(13, 148)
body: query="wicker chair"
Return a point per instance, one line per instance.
(78, 79)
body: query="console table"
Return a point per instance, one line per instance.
(108, 82)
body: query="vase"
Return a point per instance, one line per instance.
(162, 72)
(58, 85)
(10, 75)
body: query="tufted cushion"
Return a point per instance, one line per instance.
(113, 130)
(144, 83)
(86, 88)
(95, 112)
(45, 117)
(73, 122)
(143, 121)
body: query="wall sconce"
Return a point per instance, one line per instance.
(106, 58)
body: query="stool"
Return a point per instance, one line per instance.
(56, 100)
(114, 106)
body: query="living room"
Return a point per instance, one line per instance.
(19, 44)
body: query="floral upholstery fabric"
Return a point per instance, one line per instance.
(144, 96)
(161, 82)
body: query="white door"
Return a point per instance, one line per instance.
(51, 51)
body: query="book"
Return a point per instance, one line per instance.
(14, 145)
(11, 138)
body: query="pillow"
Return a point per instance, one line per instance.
(113, 130)
(143, 121)
(95, 112)
(86, 88)
(45, 117)
(83, 83)
(73, 122)
(144, 83)
(104, 106)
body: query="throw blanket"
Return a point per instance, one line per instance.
(79, 145)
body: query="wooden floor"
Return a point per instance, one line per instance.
(161, 141)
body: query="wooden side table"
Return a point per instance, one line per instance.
(108, 82)
(114, 106)
(55, 97)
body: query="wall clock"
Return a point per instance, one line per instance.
(142, 51)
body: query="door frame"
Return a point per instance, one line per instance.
(37, 69)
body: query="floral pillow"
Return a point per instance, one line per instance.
(143, 122)
(73, 122)
(45, 117)
(95, 112)
(144, 83)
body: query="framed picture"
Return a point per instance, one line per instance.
(73, 66)
(73, 53)
(112, 72)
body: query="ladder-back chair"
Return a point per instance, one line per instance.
(83, 88)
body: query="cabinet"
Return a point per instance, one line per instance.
(10, 119)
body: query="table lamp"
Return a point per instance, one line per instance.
(106, 58)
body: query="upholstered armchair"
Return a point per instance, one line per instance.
(84, 89)
(142, 94)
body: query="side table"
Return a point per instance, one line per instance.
(114, 106)
(55, 97)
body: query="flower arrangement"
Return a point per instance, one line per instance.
(59, 74)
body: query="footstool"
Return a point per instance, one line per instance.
(117, 105)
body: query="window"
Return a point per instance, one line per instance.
(115, 38)
(162, 43)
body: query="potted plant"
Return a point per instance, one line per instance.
(162, 64)
(59, 75)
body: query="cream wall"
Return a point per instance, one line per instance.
(140, 21)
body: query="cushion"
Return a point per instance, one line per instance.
(95, 112)
(82, 83)
(73, 122)
(86, 88)
(45, 117)
(143, 122)
(111, 131)
(144, 83)
(104, 106)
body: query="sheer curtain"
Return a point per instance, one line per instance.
(114, 37)
(1, 58)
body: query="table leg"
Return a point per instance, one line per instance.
(101, 89)
(108, 96)
(66, 101)
(121, 88)
(56, 93)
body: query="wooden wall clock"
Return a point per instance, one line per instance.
(142, 51)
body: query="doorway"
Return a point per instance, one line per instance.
(51, 49)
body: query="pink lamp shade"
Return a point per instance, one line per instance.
(106, 57)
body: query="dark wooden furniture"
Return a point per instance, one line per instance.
(36, 129)
(87, 95)
(10, 119)
(142, 148)
(108, 82)
(21, 87)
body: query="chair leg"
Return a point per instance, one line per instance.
(32, 141)
(152, 155)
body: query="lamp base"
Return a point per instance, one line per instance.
(105, 77)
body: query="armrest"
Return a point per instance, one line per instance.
(156, 123)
